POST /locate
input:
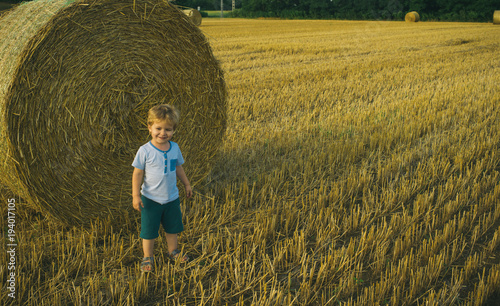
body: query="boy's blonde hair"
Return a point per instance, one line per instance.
(163, 112)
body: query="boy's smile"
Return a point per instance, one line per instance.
(161, 132)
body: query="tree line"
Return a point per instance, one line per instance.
(442, 10)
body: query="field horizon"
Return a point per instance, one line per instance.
(360, 166)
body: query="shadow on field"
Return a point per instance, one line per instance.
(251, 162)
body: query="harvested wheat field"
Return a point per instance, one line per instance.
(360, 166)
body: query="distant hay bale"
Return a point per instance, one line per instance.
(193, 15)
(496, 17)
(76, 82)
(412, 17)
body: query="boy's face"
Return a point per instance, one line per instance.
(161, 132)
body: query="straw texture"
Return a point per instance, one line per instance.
(412, 17)
(75, 88)
(496, 17)
(193, 15)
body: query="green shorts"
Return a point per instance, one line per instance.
(153, 214)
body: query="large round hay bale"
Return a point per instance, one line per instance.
(193, 15)
(496, 17)
(76, 82)
(412, 17)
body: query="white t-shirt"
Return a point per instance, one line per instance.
(160, 177)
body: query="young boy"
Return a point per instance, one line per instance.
(157, 165)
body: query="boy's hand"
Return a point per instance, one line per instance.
(189, 191)
(137, 202)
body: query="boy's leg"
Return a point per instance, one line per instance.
(150, 224)
(173, 250)
(172, 223)
(171, 242)
(147, 247)
(147, 264)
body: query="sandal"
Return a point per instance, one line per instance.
(176, 253)
(147, 264)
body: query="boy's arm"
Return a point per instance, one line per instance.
(184, 180)
(137, 178)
